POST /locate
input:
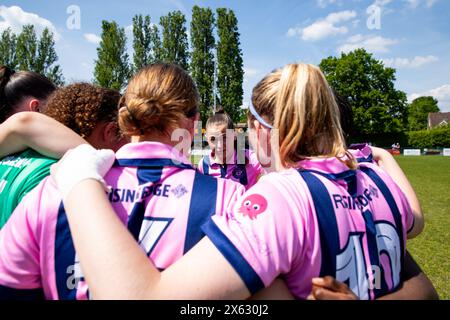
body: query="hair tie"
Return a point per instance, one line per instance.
(5, 75)
(135, 121)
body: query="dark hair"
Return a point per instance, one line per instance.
(15, 86)
(346, 115)
(81, 106)
(220, 118)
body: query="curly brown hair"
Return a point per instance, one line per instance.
(81, 106)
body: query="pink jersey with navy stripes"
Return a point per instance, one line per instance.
(246, 173)
(322, 220)
(155, 191)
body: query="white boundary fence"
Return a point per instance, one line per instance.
(446, 152)
(411, 152)
(197, 152)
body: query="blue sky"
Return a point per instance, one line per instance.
(411, 35)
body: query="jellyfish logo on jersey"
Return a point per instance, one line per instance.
(253, 205)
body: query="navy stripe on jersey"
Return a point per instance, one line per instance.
(369, 159)
(149, 171)
(205, 165)
(64, 258)
(412, 226)
(240, 172)
(160, 162)
(202, 206)
(223, 170)
(371, 236)
(367, 216)
(234, 257)
(135, 219)
(392, 205)
(328, 228)
(7, 293)
(348, 176)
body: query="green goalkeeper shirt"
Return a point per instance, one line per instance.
(19, 174)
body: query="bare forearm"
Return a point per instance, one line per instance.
(387, 162)
(115, 267)
(278, 290)
(413, 289)
(39, 132)
(415, 286)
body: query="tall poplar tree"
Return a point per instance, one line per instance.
(112, 67)
(230, 75)
(202, 59)
(174, 39)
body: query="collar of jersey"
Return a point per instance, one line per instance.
(361, 154)
(325, 165)
(213, 163)
(333, 165)
(150, 150)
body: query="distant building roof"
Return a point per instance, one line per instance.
(438, 119)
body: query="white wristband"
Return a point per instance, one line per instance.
(83, 162)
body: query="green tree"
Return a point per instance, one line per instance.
(146, 42)
(418, 112)
(174, 47)
(8, 49)
(157, 46)
(379, 109)
(38, 55)
(141, 41)
(112, 68)
(202, 59)
(230, 64)
(27, 44)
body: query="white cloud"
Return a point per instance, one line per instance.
(413, 4)
(250, 73)
(323, 28)
(92, 38)
(381, 3)
(15, 18)
(442, 94)
(129, 31)
(293, 31)
(373, 44)
(430, 3)
(324, 3)
(415, 62)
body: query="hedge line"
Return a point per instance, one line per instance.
(434, 138)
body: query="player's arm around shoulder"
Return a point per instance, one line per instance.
(235, 249)
(37, 131)
(387, 162)
(262, 232)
